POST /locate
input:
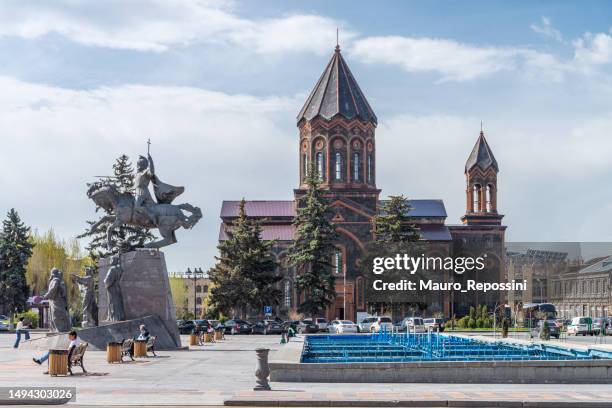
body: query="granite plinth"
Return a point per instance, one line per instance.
(145, 288)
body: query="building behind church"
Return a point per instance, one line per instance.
(337, 135)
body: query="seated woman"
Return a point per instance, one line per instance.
(144, 333)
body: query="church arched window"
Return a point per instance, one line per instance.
(320, 168)
(356, 166)
(369, 168)
(305, 163)
(476, 198)
(338, 166)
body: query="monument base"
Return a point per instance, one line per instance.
(99, 337)
(145, 289)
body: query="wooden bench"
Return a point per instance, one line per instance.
(127, 349)
(75, 357)
(151, 344)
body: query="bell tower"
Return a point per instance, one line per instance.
(337, 135)
(481, 186)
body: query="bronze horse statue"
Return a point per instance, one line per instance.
(119, 207)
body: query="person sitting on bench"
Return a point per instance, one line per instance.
(144, 333)
(74, 341)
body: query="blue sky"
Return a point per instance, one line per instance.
(216, 85)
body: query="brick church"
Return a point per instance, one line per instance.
(337, 134)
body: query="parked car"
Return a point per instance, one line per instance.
(321, 323)
(307, 326)
(382, 323)
(435, 324)
(552, 329)
(237, 326)
(600, 324)
(5, 322)
(267, 327)
(414, 325)
(366, 324)
(185, 326)
(342, 326)
(580, 325)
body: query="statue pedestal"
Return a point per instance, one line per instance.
(145, 288)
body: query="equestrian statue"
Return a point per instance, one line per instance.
(141, 209)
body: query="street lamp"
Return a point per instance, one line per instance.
(195, 275)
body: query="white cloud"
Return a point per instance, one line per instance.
(156, 25)
(453, 60)
(593, 50)
(547, 30)
(217, 145)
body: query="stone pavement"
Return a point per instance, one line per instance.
(211, 374)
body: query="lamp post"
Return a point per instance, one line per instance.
(195, 275)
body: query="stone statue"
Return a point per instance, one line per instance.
(90, 307)
(57, 294)
(141, 210)
(113, 290)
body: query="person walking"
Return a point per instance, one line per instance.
(22, 328)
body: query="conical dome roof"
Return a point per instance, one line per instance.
(481, 156)
(337, 93)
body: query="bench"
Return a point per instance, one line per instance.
(75, 357)
(127, 349)
(151, 344)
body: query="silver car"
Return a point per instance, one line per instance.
(366, 324)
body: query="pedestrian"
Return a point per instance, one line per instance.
(22, 328)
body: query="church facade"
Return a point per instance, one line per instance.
(337, 135)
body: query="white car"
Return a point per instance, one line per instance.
(321, 323)
(366, 324)
(342, 326)
(413, 325)
(580, 325)
(382, 323)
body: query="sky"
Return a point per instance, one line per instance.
(216, 85)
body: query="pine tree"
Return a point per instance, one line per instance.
(244, 277)
(15, 250)
(126, 237)
(392, 225)
(313, 248)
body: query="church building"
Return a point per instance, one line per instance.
(337, 134)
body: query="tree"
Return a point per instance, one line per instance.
(392, 225)
(179, 294)
(51, 251)
(15, 250)
(313, 249)
(126, 237)
(245, 274)
(394, 235)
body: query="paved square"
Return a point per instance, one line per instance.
(211, 374)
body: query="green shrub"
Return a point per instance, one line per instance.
(463, 323)
(31, 317)
(480, 323)
(472, 312)
(472, 323)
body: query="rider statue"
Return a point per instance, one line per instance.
(145, 174)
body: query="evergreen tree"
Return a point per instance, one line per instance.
(392, 224)
(15, 250)
(244, 276)
(313, 249)
(126, 237)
